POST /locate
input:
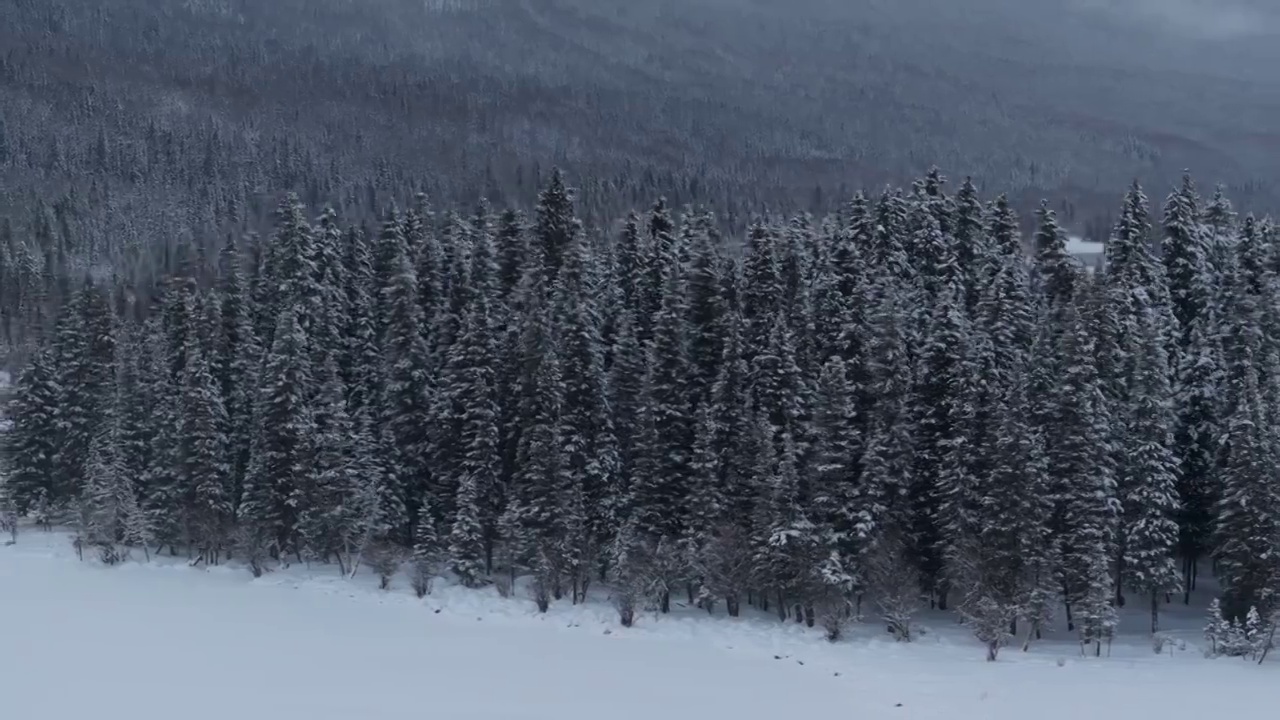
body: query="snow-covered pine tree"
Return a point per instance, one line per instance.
(590, 446)
(1151, 528)
(1056, 274)
(107, 501)
(512, 250)
(670, 389)
(323, 523)
(282, 464)
(1219, 229)
(84, 357)
(235, 363)
(292, 270)
(427, 549)
(1082, 473)
(533, 522)
(477, 498)
(406, 370)
(941, 492)
(661, 260)
(429, 255)
(970, 242)
(762, 290)
(32, 442)
(1197, 403)
(1247, 531)
(1186, 259)
(332, 310)
(360, 362)
(555, 227)
(836, 472)
(204, 468)
(789, 548)
(707, 308)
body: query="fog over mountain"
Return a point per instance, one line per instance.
(175, 109)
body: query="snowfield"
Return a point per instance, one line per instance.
(162, 640)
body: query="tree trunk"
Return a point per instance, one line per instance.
(1120, 581)
(1155, 612)
(1271, 639)
(782, 607)
(665, 602)
(1070, 624)
(731, 605)
(1187, 566)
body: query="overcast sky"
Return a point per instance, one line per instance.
(1220, 19)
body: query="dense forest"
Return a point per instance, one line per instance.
(885, 408)
(133, 127)
(299, 281)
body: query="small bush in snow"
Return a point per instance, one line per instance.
(624, 599)
(109, 554)
(1251, 639)
(896, 588)
(1159, 642)
(990, 620)
(540, 590)
(503, 583)
(386, 558)
(834, 616)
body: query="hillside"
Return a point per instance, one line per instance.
(173, 107)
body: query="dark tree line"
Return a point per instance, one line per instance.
(891, 406)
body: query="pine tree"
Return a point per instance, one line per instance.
(1185, 255)
(332, 310)
(534, 522)
(282, 463)
(325, 526)
(1082, 472)
(513, 251)
(970, 241)
(476, 501)
(361, 357)
(406, 371)
(32, 443)
(707, 307)
(235, 362)
(838, 447)
(940, 495)
(291, 269)
(84, 355)
(762, 291)
(1246, 533)
(204, 469)
(427, 550)
(1151, 529)
(107, 499)
(591, 451)
(1056, 270)
(556, 226)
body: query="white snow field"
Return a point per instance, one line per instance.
(162, 640)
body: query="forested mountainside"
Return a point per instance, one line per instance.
(889, 407)
(133, 126)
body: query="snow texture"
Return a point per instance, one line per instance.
(162, 640)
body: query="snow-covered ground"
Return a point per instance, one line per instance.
(162, 640)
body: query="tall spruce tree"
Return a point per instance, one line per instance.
(282, 465)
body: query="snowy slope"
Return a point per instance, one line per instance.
(161, 640)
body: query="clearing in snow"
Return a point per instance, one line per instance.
(162, 640)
